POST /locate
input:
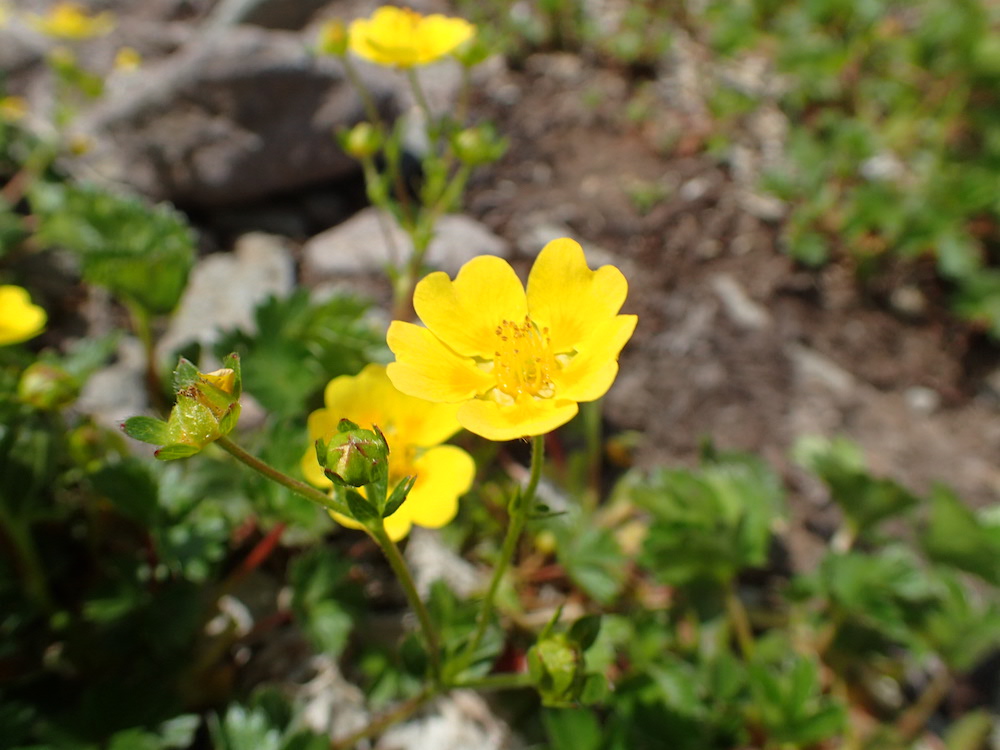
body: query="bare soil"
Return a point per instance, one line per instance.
(735, 342)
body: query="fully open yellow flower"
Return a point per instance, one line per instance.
(516, 363)
(403, 38)
(69, 20)
(20, 320)
(414, 430)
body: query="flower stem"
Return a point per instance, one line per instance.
(739, 622)
(399, 567)
(371, 110)
(299, 488)
(521, 507)
(381, 723)
(26, 557)
(915, 718)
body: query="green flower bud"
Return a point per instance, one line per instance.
(355, 457)
(332, 38)
(362, 141)
(478, 145)
(45, 386)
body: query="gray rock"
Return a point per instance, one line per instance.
(371, 240)
(224, 289)
(270, 14)
(236, 115)
(116, 392)
(738, 305)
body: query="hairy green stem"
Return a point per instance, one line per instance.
(520, 510)
(399, 567)
(299, 488)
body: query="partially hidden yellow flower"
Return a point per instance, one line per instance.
(414, 430)
(20, 320)
(127, 59)
(403, 38)
(69, 20)
(516, 362)
(13, 108)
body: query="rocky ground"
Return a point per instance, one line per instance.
(230, 119)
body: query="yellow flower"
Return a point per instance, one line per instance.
(19, 319)
(414, 430)
(13, 108)
(127, 59)
(69, 20)
(516, 363)
(403, 38)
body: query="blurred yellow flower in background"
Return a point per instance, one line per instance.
(13, 108)
(127, 59)
(70, 20)
(414, 430)
(402, 38)
(20, 320)
(517, 363)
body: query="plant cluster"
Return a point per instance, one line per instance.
(893, 152)
(655, 610)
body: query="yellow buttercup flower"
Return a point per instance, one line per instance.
(69, 20)
(414, 430)
(403, 38)
(516, 363)
(20, 320)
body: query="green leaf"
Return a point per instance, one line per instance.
(131, 487)
(139, 252)
(299, 345)
(865, 500)
(362, 511)
(572, 729)
(954, 536)
(711, 523)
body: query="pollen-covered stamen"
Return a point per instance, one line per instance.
(523, 362)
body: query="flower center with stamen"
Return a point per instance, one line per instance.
(523, 362)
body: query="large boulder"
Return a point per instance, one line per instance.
(237, 114)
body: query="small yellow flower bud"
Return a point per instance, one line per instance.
(362, 141)
(332, 38)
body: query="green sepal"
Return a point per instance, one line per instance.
(185, 374)
(147, 429)
(362, 511)
(232, 361)
(398, 496)
(175, 451)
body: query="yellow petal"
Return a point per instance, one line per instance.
(20, 320)
(591, 372)
(465, 313)
(568, 298)
(443, 474)
(440, 35)
(427, 369)
(522, 419)
(397, 528)
(312, 471)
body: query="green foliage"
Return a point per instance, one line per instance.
(298, 346)
(865, 500)
(894, 143)
(709, 524)
(122, 242)
(324, 599)
(789, 703)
